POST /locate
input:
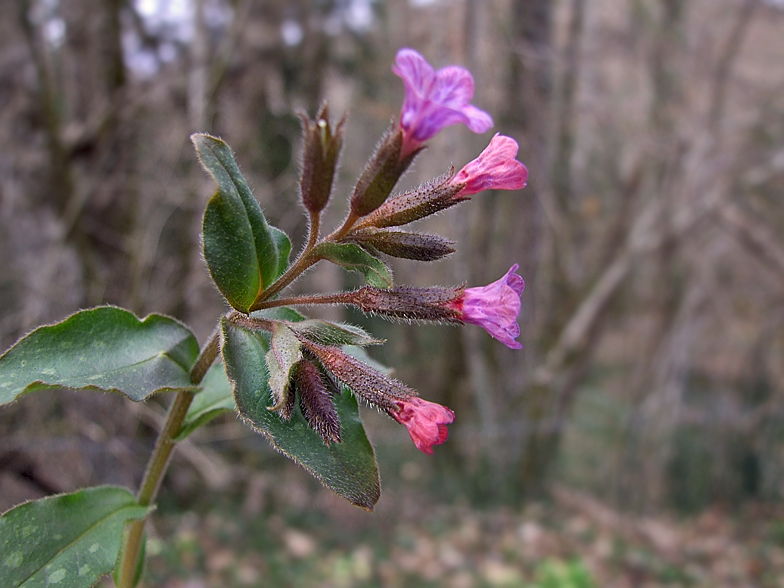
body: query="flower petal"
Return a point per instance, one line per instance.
(426, 421)
(478, 120)
(434, 100)
(495, 307)
(453, 87)
(495, 169)
(417, 74)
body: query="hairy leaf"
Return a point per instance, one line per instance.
(67, 540)
(241, 249)
(328, 333)
(349, 468)
(103, 348)
(354, 258)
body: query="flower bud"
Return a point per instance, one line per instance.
(315, 401)
(401, 244)
(320, 153)
(381, 173)
(495, 169)
(426, 421)
(373, 386)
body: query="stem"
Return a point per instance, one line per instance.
(313, 230)
(159, 462)
(303, 262)
(337, 235)
(337, 298)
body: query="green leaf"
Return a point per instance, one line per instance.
(215, 399)
(240, 247)
(349, 468)
(327, 333)
(103, 348)
(67, 540)
(354, 258)
(284, 351)
(281, 313)
(283, 243)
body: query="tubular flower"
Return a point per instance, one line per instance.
(434, 100)
(426, 421)
(495, 169)
(495, 307)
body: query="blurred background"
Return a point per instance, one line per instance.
(636, 440)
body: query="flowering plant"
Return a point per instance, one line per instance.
(294, 379)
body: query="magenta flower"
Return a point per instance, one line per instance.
(495, 307)
(426, 421)
(434, 100)
(495, 169)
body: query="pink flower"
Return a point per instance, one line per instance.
(426, 421)
(495, 169)
(495, 307)
(434, 100)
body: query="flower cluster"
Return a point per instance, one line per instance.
(308, 361)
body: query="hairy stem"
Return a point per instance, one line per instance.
(347, 225)
(337, 298)
(303, 262)
(159, 462)
(313, 230)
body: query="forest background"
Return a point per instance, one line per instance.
(644, 412)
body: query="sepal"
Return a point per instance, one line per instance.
(402, 244)
(429, 198)
(377, 388)
(381, 173)
(434, 304)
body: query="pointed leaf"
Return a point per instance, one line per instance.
(67, 540)
(216, 398)
(240, 247)
(327, 333)
(103, 348)
(349, 468)
(354, 258)
(284, 351)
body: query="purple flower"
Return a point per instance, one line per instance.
(495, 169)
(426, 421)
(495, 307)
(434, 100)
